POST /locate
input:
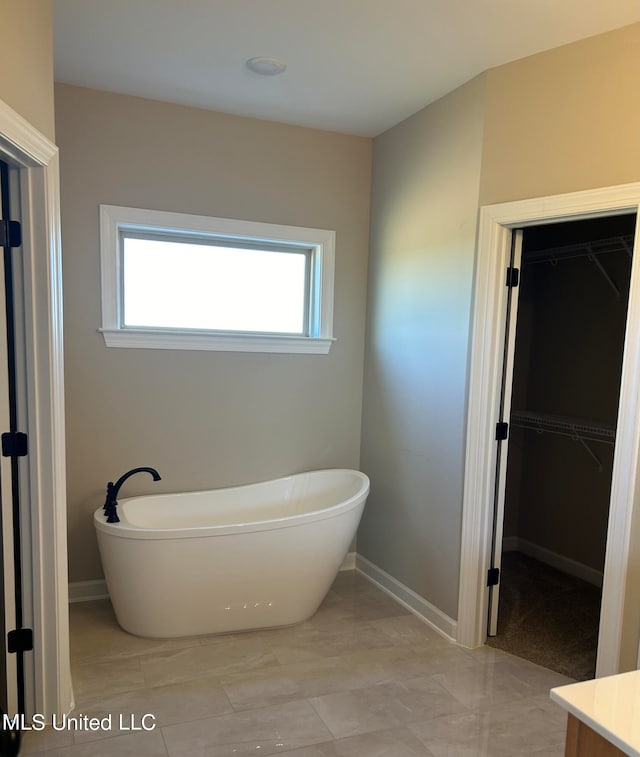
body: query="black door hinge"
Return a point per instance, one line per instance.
(20, 640)
(14, 444)
(493, 576)
(10, 234)
(513, 277)
(502, 431)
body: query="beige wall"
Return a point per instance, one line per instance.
(204, 419)
(424, 207)
(564, 120)
(26, 61)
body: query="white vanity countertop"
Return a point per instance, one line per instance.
(610, 706)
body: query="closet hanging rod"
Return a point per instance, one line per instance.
(622, 243)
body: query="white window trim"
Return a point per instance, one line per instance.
(114, 219)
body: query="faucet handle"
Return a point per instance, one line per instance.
(112, 513)
(109, 496)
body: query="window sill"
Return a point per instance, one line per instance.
(194, 340)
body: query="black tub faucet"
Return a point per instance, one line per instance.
(111, 503)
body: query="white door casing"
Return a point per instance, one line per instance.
(47, 674)
(621, 594)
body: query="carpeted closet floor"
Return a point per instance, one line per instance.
(547, 617)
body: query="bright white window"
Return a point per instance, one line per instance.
(205, 285)
(176, 281)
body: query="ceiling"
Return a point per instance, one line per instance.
(353, 66)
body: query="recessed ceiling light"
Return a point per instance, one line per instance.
(266, 66)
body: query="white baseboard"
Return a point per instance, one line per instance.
(408, 598)
(547, 556)
(349, 561)
(85, 591)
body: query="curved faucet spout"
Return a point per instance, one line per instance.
(133, 471)
(111, 503)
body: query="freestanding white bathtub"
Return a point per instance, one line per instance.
(255, 556)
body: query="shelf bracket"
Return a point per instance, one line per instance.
(600, 267)
(627, 248)
(578, 438)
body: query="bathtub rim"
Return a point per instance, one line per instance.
(126, 530)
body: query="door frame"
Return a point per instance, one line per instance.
(502, 450)
(47, 674)
(618, 637)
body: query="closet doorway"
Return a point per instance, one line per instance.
(498, 228)
(561, 388)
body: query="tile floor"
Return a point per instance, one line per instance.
(362, 678)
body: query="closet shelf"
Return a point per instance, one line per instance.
(622, 243)
(562, 424)
(590, 250)
(581, 430)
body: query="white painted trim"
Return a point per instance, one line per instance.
(408, 598)
(553, 559)
(167, 339)
(488, 333)
(49, 690)
(496, 222)
(88, 591)
(349, 562)
(114, 219)
(513, 299)
(622, 556)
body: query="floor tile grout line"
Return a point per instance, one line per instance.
(323, 631)
(168, 725)
(164, 741)
(324, 722)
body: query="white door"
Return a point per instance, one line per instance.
(9, 687)
(503, 431)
